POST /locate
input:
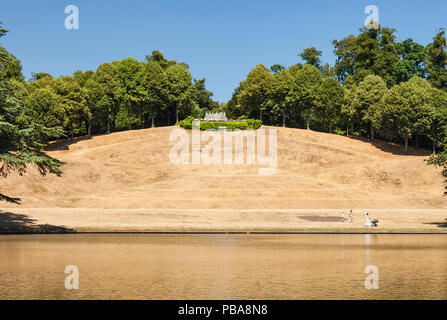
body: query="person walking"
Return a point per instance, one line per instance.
(367, 223)
(351, 216)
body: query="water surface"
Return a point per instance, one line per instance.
(140, 266)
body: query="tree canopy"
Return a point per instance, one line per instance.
(20, 145)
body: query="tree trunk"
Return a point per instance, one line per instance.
(284, 118)
(176, 114)
(89, 130)
(142, 116)
(434, 146)
(308, 119)
(352, 128)
(108, 126)
(128, 119)
(330, 126)
(260, 114)
(347, 129)
(372, 134)
(417, 141)
(406, 145)
(153, 122)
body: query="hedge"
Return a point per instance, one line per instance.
(207, 125)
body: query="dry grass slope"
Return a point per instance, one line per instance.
(315, 171)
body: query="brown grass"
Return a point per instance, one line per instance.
(316, 171)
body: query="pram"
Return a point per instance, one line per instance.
(375, 222)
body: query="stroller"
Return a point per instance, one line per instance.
(375, 222)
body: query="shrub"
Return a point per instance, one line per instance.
(254, 124)
(207, 125)
(186, 123)
(340, 132)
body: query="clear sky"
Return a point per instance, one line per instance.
(221, 40)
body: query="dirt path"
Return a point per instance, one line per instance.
(82, 219)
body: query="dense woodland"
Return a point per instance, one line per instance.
(379, 87)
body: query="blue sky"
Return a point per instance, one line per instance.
(221, 40)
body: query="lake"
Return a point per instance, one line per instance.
(223, 266)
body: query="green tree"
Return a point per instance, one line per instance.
(253, 94)
(35, 76)
(328, 71)
(279, 90)
(424, 109)
(305, 83)
(373, 51)
(155, 92)
(311, 56)
(367, 100)
(345, 51)
(127, 70)
(437, 117)
(437, 61)
(233, 108)
(330, 96)
(158, 57)
(10, 66)
(440, 160)
(43, 106)
(82, 77)
(386, 57)
(274, 69)
(403, 107)
(348, 108)
(20, 146)
(411, 62)
(110, 94)
(74, 101)
(86, 80)
(367, 49)
(203, 97)
(99, 104)
(179, 90)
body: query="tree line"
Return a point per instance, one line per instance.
(126, 94)
(378, 87)
(119, 95)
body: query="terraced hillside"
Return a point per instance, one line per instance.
(315, 172)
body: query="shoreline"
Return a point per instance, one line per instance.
(217, 221)
(382, 232)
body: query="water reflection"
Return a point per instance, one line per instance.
(367, 242)
(223, 266)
